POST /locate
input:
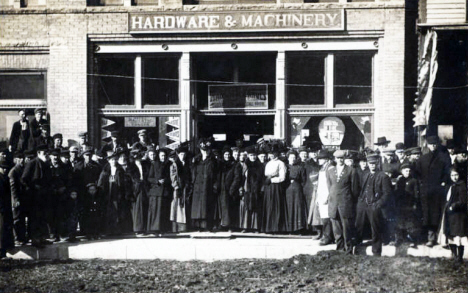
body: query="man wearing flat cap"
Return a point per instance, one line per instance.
(433, 171)
(19, 198)
(44, 138)
(35, 124)
(342, 197)
(83, 143)
(20, 133)
(144, 143)
(375, 191)
(37, 177)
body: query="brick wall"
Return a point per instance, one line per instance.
(63, 31)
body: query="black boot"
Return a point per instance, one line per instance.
(453, 249)
(461, 251)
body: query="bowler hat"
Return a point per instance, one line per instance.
(302, 149)
(172, 154)
(432, 139)
(291, 152)
(55, 152)
(18, 154)
(82, 134)
(37, 110)
(382, 141)
(373, 158)
(400, 146)
(323, 154)
(141, 132)
(251, 149)
(42, 147)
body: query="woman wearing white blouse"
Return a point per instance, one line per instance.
(274, 206)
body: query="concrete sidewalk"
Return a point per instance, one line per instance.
(205, 247)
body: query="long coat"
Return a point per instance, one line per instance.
(204, 187)
(343, 193)
(456, 222)
(432, 170)
(6, 218)
(138, 195)
(19, 137)
(160, 196)
(230, 176)
(113, 194)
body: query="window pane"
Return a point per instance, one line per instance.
(235, 69)
(116, 81)
(161, 81)
(353, 78)
(22, 86)
(305, 79)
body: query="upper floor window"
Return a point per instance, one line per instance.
(23, 85)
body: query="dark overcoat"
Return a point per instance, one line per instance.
(6, 217)
(432, 170)
(311, 171)
(160, 196)
(343, 193)
(19, 138)
(456, 223)
(204, 187)
(255, 178)
(113, 195)
(230, 176)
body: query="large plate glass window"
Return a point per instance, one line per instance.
(305, 78)
(160, 80)
(115, 80)
(353, 78)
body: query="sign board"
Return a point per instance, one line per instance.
(331, 131)
(237, 97)
(232, 21)
(140, 121)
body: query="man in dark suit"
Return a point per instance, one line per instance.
(37, 177)
(433, 171)
(375, 190)
(20, 201)
(114, 144)
(34, 126)
(344, 189)
(44, 138)
(20, 133)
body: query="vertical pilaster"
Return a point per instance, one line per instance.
(186, 132)
(280, 116)
(329, 81)
(138, 93)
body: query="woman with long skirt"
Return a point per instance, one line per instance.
(296, 203)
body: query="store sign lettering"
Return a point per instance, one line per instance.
(237, 21)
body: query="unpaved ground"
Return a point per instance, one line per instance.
(326, 272)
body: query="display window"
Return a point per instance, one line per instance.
(115, 81)
(23, 85)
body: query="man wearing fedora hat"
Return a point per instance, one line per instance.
(343, 192)
(433, 171)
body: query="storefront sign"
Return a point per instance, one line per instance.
(140, 121)
(331, 131)
(310, 20)
(237, 97)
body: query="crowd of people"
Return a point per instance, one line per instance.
(52, 193)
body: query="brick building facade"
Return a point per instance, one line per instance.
(99, 66)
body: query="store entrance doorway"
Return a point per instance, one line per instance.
(227, 129)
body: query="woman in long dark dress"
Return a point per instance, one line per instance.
(227, 208)
(296, 218)
(111, 182)
(274, 205)
(160, 195)
(139, 174)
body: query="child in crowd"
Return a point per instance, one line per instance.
(455, 219)
(92, 212)
(407, 206)
(71, 212)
